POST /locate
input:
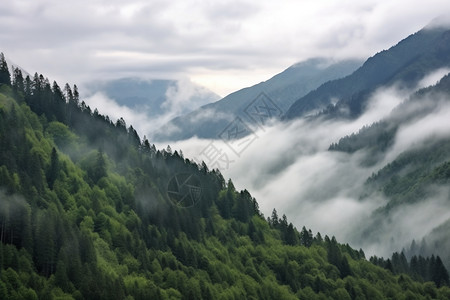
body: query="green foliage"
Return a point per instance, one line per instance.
(5, 76)
(81, 223)
(429, 269)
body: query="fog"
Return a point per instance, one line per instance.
(181, 97)
(287, 166)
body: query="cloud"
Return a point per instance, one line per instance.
(433, 77)
(431, 127)
(138, 119)
(184, 96)
(180, 97)
(443, 20)
(384, 234)
(77, 41)
(288, 167)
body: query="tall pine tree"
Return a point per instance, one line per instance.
(5, 76)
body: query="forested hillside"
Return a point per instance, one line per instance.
(87, 211)
(415, 175)
(378, 137)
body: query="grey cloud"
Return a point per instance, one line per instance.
(183, 36)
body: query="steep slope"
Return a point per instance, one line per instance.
(415, 178)
(405, 63)
(89, 211)
(282, 90)
(378, 137)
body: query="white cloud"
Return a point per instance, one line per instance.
(138, 119)
(75, 41)
(181, 97)
(406, 223)
(184, 96)
(433, 77)
(418, 132)
(289, 168)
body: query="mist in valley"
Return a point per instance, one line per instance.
(288, 166)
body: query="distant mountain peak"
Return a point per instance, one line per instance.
(282, 89)
(406, 63)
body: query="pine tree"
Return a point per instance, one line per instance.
(291, 236)
(59, 103)
(68, 93)
(306, 237)
(274, 221)
(5, 76)
(438, 272)
(53, 170)
(345, 267)
(18, 83)
(28, 89)
(134, 137)
(99, 167)
(76, 95)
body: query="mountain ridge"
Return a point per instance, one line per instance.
(406, 62)
(282, 89)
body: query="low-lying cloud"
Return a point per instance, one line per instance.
(181, 97)
(114, 111)
(288, 167)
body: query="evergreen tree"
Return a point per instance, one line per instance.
(345, 267)
(99, 168)
(438, 272)
(28, 89)
(68, 94)
(306, 237)
(5, 76)
(76, 95)
(291, 235)
(18, 83)
(274, 221)
(53, 169)
(59, 103)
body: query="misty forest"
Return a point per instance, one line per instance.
(89, 209)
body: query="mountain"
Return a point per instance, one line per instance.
(155, 97)
(378, 137)
(405, 63)
(277, 94)
(90, 211)
(414, 178)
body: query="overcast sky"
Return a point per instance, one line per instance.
(223, 45)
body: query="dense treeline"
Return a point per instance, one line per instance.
(419, 267)
(85, 214)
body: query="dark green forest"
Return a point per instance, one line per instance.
(86, 213)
